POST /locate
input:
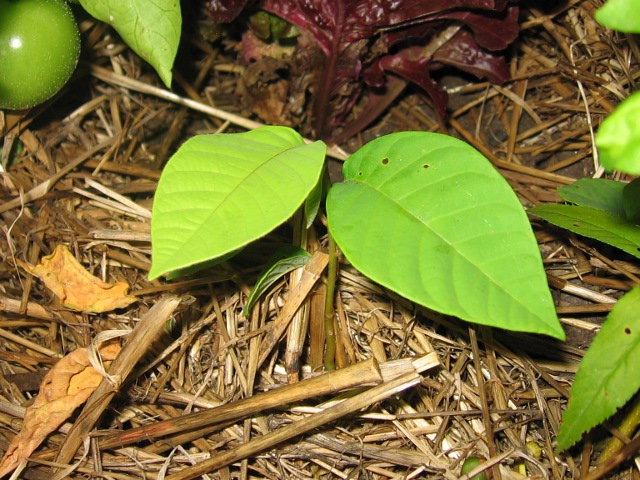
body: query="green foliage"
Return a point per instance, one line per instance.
(621, 15)
(599, 193)
(593, 223)
(610, 212)
(428, 216)
(421, 213)
(285, 260)
(151, 28)
(609, 374)
(220, 192)
(631, 201)
(619, 136)
(599, 212)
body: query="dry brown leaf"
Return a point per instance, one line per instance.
(75, 287)
(67, 385)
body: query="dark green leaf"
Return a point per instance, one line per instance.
(631, 201)
(593, 223)
(600, 193)
(285, 260)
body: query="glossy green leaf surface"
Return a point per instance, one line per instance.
(621, 15)
(220, 192)
(618, 138)
(151, 28)
(285, 260)
(600, 193)
(609, 373)
(593, 223)
(428, 216)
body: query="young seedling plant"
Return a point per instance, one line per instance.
(423, 214)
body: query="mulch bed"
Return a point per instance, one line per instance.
(81, 171)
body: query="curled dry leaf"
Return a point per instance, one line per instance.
(67, 385)
(75, 287)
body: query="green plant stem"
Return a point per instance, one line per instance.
(628, 425)
(329, 311)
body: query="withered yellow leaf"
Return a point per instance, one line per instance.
(75, 287)
(67, 386)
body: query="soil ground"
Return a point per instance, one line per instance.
(81, 171)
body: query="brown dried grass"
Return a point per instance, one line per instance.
(85, 177)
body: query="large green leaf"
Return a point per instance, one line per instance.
(609, 373)
(220, 192)
(600, 193)
(151, 28)
(593, 223)
(618, 138)
(428, 216)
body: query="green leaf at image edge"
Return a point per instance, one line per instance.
(618, 138)
(609, 373)
(620, 15)
(593, 223)
(426, 215)
(151, 28)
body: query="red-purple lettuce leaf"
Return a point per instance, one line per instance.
(414, 64)
(226, 11)
(379, 45)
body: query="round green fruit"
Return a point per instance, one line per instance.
(39, 50)
(471, 463)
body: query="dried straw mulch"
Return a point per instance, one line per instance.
(206, 391)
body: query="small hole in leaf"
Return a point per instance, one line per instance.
(359, 174)
(385, 161)
(627, 330)
(576, 224)
(426, 165)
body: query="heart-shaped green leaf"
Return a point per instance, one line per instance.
(428, 216)
(151, 28)
(220, 192)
